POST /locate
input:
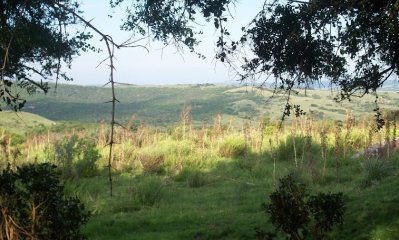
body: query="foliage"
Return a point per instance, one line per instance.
(355, 140)
(233, 146)
(285, 150)
(193, 177)
(33, 205)
(34, 43)
(76, 156)
(302, 42)
(288, 209)
(375, 170)
(152, 160)
(299, 215)
(170, 21)
(149, 191)
(298, 42)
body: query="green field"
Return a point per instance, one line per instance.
(161, 106)
(207, 178)
(22, 122)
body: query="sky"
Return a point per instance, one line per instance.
(161, 66)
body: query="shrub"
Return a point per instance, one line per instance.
(233, 146)
(303, 145)
(176, 153)
(152, 161)
(245, 163)
(17, 140)
(149, 191)
(285, 150)
(356, 140)
(76, 156)
(269, 130)
(85, 164)
(375, 170)
(287, 208)
(33, 205)
(299, 215)
(193, 177)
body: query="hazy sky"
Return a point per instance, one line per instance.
(136, 66)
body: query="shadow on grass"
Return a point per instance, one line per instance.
(224, 202)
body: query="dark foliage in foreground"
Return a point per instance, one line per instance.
(33, 205)
(301, 216)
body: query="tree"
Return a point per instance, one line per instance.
(354, 45)
(351, 44)
(33, 45)
(301, 216)
(35, 36)
(26, 53)
(33, 205)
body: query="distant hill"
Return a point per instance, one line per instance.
(391, 85)
(21, 122)
(162, 105)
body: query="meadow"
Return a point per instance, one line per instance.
(203, 171)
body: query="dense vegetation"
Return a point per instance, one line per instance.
(33, 205)
(209, 181)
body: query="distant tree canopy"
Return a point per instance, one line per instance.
(351, 44)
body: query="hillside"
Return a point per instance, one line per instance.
(22, 122)
(162, 105)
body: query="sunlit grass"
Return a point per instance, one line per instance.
(208, 182)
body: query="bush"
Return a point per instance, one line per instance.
(176, 153)
(85, 164)
(76, 156)
(355, 141)
(149, 191)
(17, 140)
(248, 163)
(33, 205)
(233, 146)
(375, 170)
(299, 215)
(303, 145)
(152, 161)
(193, 177)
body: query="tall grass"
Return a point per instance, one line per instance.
(316, 147)
(223, 169)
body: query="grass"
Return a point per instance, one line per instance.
(224, 201)
(170, 185)
(375, 209)
(22, 122)
(221, 199)
(228, 207)
(208, 181)
(184, 213)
